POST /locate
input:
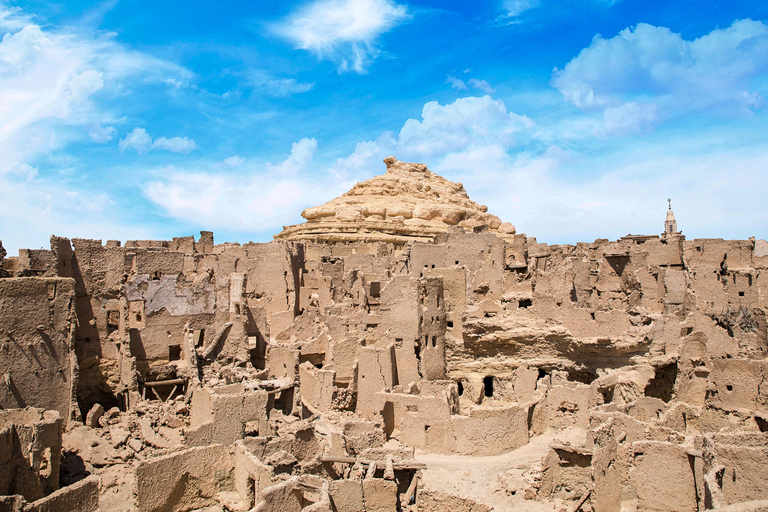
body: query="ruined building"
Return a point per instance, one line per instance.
(403, 349)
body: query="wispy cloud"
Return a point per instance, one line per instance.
(13, 18)
(52, 84)
(649, 73)
(256, 199)
(141, 142)
(101, 134)
(233, 161)
(518, 12)
(49, 80)
(277, 86)
(515, 8)
(460, 85)
(344, 31)
(481, 85)
(456, 83)
(175, 144)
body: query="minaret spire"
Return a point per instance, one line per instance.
(670, 224)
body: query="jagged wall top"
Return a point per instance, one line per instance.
(407, 202)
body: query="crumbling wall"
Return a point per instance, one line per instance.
(184, 480)
(223, 415)
(30, 452)
(82, 496)
(37, 359)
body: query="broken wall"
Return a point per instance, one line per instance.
(37, 359)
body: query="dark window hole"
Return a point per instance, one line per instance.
(525, 303)
(607, 394)
(174, 352)
(662, 386)
(488, 386)
(583, 376)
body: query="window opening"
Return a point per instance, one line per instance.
(488, 386)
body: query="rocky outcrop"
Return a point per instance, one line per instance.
(408, 202)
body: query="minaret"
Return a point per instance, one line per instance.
(670, 225)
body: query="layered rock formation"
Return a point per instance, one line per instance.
(409, 202)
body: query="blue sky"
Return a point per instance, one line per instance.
(573, 120)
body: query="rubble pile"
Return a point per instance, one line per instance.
(402, 350)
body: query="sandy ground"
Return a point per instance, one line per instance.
(477, 478)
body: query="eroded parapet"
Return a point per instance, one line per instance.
(184, 480)
(225, 414)
(733, 467)
(82, 496)
(30, 446)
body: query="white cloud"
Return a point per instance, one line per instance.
(464, 123)
(563, 196)
(83, 85)
(515, 8)
(12, 18)
(22, 170)
(301, 155)
(470, 140)
(648, 73)
(256, 199)
(53, 85)
(49, 80)
(629, 117)
(482, 85)
(233, 161)
(460, 85)
(456, 83)
(344, 31)
(138, 140)
(175, 144)
(101, 134)
(280, 87)
(55, 209)
(141, 142)
(706, 187)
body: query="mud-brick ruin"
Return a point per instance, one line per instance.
(403, 349)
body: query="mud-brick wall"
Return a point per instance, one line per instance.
(30, 452)
(36, 349)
